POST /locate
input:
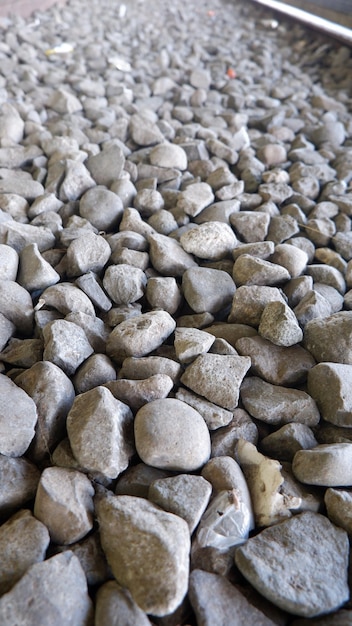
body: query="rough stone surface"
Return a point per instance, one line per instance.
(66, 345)
(338, 504)
(279, 325)
(18, 418)
(329, 384)
(116, 607)
(329, 339)
(328, 465)
(207, 289)
(300, 564)
(152, 559)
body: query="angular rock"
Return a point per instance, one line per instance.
(144, 132)
(168, 257)
(338, 504)
(18, 417)
(116, 607)
(279, 325)
(45, 584)
(191, 342)
(249, 303)
(170, 434)
(300, 565)
(214, 415)
(76, 182)
(224, 440)
(250, 226)
(217, 378)
(195, 198)
(90, 285)
(22, 352)
(18, 485)
(328, 465)
(139, 335)
(249, 270)
(184, 495)
(136, 393)
(124, 283)
(276, 364)
(163, 292)
(290, 257)
(66, 345)
(312, 306)
(96, 370)
(35, 273)
(207, 289)
(94, 328)
(137, 479)
(101, 207)
(168, 155)
(147, 550)
(11, 123)
(63, 101)
(16, 305)
(9, 261)
(64, 503)
(211, 240)
(7, 330)
(88, 253)
(100, 432)
(329, 339)
(283, 444)
(277, 405)
(67, 298)
(329, 384)
(106, 166)
(144, 367)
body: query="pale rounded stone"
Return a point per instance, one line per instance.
(147, 550)
(100, 432)
(168, 155)
(211, 240)
(18, 418)
(140, 335)
(64, 503)
(279, 556)
(338, 504)
(279, 325)
(101, 207)
(207, 289)
(170, 434)
(124, 283)
(330, 384)
(217, 378)
(290, 257)
(87, 253)
(327, 465)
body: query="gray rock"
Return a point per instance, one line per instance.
(312, 306)
(184, 495)
(136, 393)
(101, 207)
(99, 428)
(195, 198)
(18, 417)
(16, 305)
(297, 288)
(329, 384)
(14, 206)
(276, 364)
(77, 180)
(249, 303)
(278, 405)
(163, 292)
(283, 443)
(35, 273)
(7, 330)
(18, 235)
(170, 434)
(260, 249)
(168, 257)
(217, 377)
(44, 584)
(191, 342)
(53, 394)
(222, 150)
(137, 479)
(328, 276)
(66, 345)
(87, 253)
(144, 367)
(300, 565)
(249, 270)
(11, 123)
(48, 202)
(212, 240)
(24, 541)
(26, 188)
(338, 504)
(19, 480)
(96, 370)
(250, 226)
(216, 601)
(214, 415)
(116, 607)
(329, 339)
(9, 261)
(279, 325)
(168, 155)
(22, 352)
(144, 132)
(94, 328)
(207, 289)
(106, 166)
(140, 335)
(147, 550)
(335, 299)
(63, 101)
(224, 440)
(91, 557)
(67, 298)
(148, 202)
(328, 465)
(64, 503)
(124, 283)
(90, 285)
(290, 257)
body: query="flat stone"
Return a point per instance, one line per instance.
(147, 550)
(124, 283)
(215, 600)
(67, 298)
(64, 503)
(168, 257)
(283, 443)
(18, 417)
(211, 240)
(207, 289)
(338, 504)
(102, 207)
(276, 364)
(53, 394)
(214, 415)
(277, 405)
(217, 378)
(18, 485)
(329, 384)
(136, 393)
(24, 541)
(249, 270)
(195, 198)
(249, 303)
(184, 495)
(114, 605)
(328, 465)
(144, 367)
(16, 305)
(44, 584)
(35, 272)
(66, 345)
(329, 339)
(99, 428)
(279, 325)
(170, 434)
(90, 284)
(139, 335)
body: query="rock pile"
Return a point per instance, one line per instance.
(175, 318)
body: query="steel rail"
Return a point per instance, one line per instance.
(337, 31)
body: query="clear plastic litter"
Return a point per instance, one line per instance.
(225, 523)
(62, 48)
(120, 64)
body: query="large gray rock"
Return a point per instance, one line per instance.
(106, 166)
(167, 255)
(330, 338)
(18, 418)
(211, 240)
(116, 607)
(124, 283)
(170, 434)
(18, 484)
(327, 465)
(66, 345)
(330, 384)
(147, 550)
(207, 289)
(16, 305)
(249, 302)
(35, 272)
(45, 585)
(300, 565)
(100, 432)
(87, 253)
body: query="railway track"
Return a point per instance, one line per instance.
(332, 19)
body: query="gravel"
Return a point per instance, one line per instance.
(175, 318)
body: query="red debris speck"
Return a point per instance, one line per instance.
(231, 73)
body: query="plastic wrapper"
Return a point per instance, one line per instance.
(225, 523)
